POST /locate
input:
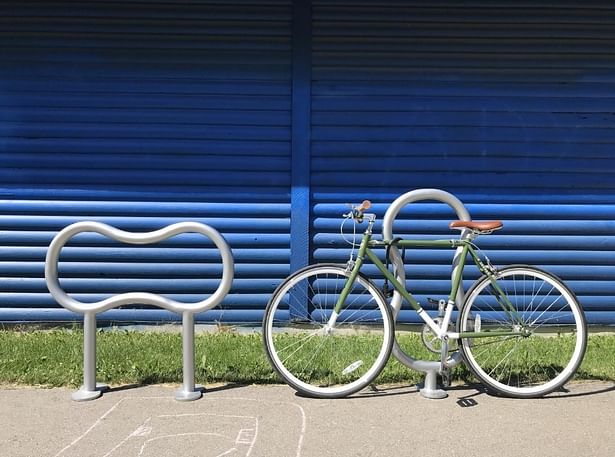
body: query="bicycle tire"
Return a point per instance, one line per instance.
(552, 321)
(327, 363)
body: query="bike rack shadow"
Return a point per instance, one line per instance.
(90, 389)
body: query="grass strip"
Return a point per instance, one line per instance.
(55, 358)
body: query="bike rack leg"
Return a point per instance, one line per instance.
(189, 391)
(90, 389)
(430, 388)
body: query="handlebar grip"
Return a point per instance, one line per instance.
(364, 206)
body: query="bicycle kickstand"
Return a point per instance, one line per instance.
(445, 371)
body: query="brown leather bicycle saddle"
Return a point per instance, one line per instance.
(480, 226)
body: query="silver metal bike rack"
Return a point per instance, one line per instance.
(90, 389)
(430, 368)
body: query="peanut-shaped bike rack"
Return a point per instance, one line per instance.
(430, 368)
(90, 389)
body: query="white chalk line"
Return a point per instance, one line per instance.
(141, 429)
(179, 435)
(99, 420)
(135, 433)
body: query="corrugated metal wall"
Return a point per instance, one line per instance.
(143, 113)
(508, 105)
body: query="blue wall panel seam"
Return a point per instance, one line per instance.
(300, 138)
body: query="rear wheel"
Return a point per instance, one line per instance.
(549, 325)
(548, 322)
(321, 360)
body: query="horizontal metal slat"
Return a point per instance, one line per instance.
(147, 101)
(147, 177)
(458, 30)
(146, 146)
(461, 103)
(498, 257)
(474, 119)
(525, 210)
(120, 40)
(465, 44)
(185, 86)
(237, 71)
(145, 117)
(192, 163)
(25, 300)
(511, 227)
(135, 130)
(222, 224)
(254, 194)
(448, 147)
(152, 10)
(144, 208)
(28, 269)
(144, 254)
(259, 240)
(195, 27)
(464, 13)
(122, 285)
(470, 272)
(476, 133)
(156, 316)
(461, 164)
(569, 196)
(599, 179)
(556, 242)
(452, 88)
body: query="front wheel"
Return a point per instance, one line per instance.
(319, 359)
(542, 328)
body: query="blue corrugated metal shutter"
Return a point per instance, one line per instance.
(508, 105)
(141, 114)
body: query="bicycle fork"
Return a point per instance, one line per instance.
(353, 266)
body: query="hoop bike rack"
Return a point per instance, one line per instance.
(90, 389)
(430, 368)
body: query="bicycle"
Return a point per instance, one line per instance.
(337, 314)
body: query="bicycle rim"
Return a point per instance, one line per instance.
(550, 325)
(313, 358)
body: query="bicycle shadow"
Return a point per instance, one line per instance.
(474, 391)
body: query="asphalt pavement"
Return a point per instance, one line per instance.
(273, 421)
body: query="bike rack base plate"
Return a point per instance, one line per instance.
(84, 395)
(187, 395)
(436, 394)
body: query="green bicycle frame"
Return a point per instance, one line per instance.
(365, 250)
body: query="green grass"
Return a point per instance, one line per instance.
(54, 358)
